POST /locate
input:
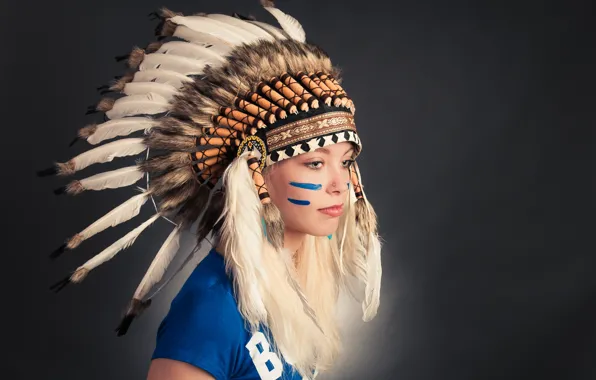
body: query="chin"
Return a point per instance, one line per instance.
(324, 229)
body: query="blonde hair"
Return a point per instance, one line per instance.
(300, 300)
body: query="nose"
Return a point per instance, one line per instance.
(338, 182)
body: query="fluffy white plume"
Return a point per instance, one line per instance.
(372, 291)
(119, 127)
(160, 264)
(107, 152)
(122, 243)
(132, 105)
(242, 235)
(289, 24)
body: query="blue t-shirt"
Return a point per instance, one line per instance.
(204, 328)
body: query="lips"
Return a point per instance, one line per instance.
(333, 211)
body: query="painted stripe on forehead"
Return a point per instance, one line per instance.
(308, 186)
(299, 202)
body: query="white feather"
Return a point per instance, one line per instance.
(182, 65)
(120, 127)
(218, 45)
(246, 26)
(229, 33)
(123, 213)
(122, 243)
(109, 151)
(131, 105)
(374, 272)
(289, 24)
(242, 235)
(162, 76)
(113, 179)
(190, 50)
(275, 32)
(140, 88)
(160, 264)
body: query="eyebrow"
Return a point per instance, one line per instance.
(325, 150)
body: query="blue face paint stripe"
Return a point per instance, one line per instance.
(299, 202)
(307, 186)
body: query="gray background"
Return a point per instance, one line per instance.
(477, 121)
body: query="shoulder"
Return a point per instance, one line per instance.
(203, 326)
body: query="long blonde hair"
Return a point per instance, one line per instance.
(299, 299)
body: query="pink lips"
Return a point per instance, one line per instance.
(333, 211)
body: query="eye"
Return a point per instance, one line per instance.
(347, 163)
(315, 165)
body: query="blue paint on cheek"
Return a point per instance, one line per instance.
(307, 186)
(299, 202)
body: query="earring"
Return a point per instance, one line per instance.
(329, 236)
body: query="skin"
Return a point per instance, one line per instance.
(327, 167)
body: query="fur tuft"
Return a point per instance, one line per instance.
(105, 104)
(66, 168)
(75, 188)
(153, 47)
(168, 28)
(87, 131)
(174, 143)
(274, 225)
(159, 164)
(166, 13)
(79, 275)
(74, 241)
(136, 57)
(268, 3)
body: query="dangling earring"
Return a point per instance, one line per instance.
(329, 236)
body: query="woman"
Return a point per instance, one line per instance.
(253, 140)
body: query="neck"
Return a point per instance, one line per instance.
(293, 240)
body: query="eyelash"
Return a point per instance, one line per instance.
(346, 164)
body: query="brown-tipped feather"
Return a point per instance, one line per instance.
(153, 47)
(87, 131)
(105, 104)
(75, 188)
(268, 3)
(65, 168)
(74, 241)
(79, 275)
(168, 29)
(136, 57)
(118, 85)
(166, 13)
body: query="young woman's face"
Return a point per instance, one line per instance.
(311, 189)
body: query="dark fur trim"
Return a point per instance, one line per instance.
(166, 162)
(136, 57)
(174, 143)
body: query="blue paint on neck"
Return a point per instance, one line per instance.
(299, 202)
(307, 186)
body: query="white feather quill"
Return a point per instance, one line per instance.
(107, 152)
(182, 65)
(120, 214)
(122, 243)
(132, 105)
(119, 127)
(289, 24)
(246, 26)
(140, 88)
(221, 47)
(111, 180)
(162, 76)
(226, 32)
(275, 32)
(190, 50)
(160, 264)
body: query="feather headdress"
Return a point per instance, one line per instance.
(217, 98)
